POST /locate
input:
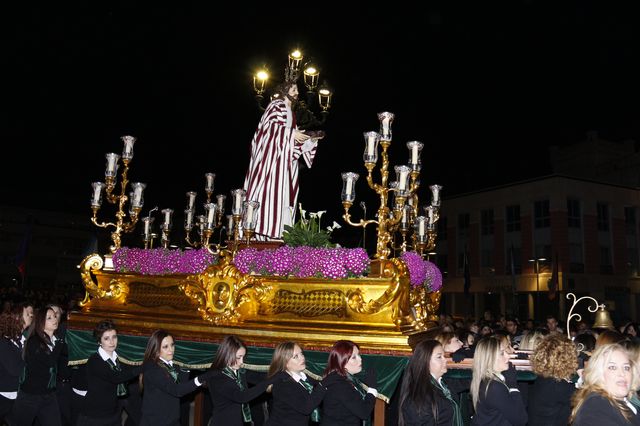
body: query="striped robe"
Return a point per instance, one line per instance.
(272, 178)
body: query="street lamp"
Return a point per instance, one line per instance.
(536, 266)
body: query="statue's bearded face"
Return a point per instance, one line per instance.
(292, 94)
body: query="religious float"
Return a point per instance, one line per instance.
(304, 290)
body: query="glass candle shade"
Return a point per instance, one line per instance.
(127, 150)
(371, 140)
(138, 194)
(96, 194)
(237, 196)
(386, 119)
(415, 151)
(349, 186)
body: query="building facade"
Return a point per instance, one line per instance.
(581, 234)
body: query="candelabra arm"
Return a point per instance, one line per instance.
(94, 220)
(187, 239)
(347, 218)
(578, 317)
(370, 181)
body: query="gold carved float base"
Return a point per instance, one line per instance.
(378, 312)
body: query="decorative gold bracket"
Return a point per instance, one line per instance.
(118, 289)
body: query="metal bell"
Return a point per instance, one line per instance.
(603, 320)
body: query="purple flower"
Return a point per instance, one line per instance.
(162, 261)
(304, 262)
(422, 272)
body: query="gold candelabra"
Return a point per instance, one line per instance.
(135, 196)
(209, 222)
(317, 96)
(240, 225)
(401, 212)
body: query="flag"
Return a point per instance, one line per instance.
(553, 281)
(467, 273)
(23, 253)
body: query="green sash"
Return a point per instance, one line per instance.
(115, 366)
(457, 414)
(246, 411)
(171, 369)
(315, 414)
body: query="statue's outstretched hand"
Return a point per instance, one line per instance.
(299, 136)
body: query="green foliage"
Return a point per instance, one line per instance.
(307, 232)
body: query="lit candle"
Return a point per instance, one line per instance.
(229, 223)
(414, 154)
(147, 224)
(421, 227)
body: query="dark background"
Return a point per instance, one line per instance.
(486, 86)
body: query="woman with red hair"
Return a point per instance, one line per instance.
(347, 401)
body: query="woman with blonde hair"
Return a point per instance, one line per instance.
(295, 396)
(608, 385)
(555, 362)
(494, 387)
(531, 339)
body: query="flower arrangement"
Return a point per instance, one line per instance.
(422, 272)
(307, 232)
(304, 262)
(162, 261)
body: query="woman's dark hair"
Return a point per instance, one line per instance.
(634, 326)
(606, 337)
(152, 352)
(21, 307)
(587, 340)
(339, 356)
(11, 323)
(226, 353)
(36, 332)
(417, 388)
(102, 326)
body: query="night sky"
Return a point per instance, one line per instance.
(486, 86)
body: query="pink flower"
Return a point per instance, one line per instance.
(422, 272)
(162, 261)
